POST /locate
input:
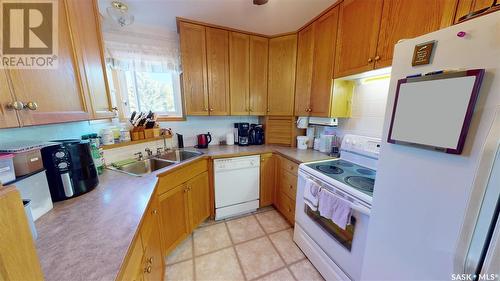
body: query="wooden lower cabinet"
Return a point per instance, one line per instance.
(199, 199)
(286, 179)
(144, 260)
(18, 257)
(174, 216)
(267, 179)
(185, 206)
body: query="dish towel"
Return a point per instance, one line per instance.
(311, 191)
(334, 208)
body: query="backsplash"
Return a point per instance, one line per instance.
(368, 109)
(218, 126)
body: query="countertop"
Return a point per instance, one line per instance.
(87, 237)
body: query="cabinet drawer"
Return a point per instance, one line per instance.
(287, 207)
(183, 174)
(288, 184)
(289, 166)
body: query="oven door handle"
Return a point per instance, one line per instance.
(355, 206)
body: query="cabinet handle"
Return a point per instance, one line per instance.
(370, 59)
(147, 269)
(268, 110)
(155, 211)
(150, 260)
(310, 109)
(291, 187)
(31, 105)
(377, 58)
(15, 105)
(211, 109)
(206, 109)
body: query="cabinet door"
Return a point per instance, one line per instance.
(174, 217)
(281, 82)
(324, 56)
(18, 258)
(259, 53)
(194, 68)
(239, 45)
(359, 22)
(409, 19)
(86, 30)
(153, 258)
(199, 199)
(305, 60)
(57, 92)
(218, 71)
(267, 179)
(467, 6)
(8, 117)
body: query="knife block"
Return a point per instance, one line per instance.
(149, 133)
(137, 134)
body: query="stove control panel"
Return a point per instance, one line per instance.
(361, 145)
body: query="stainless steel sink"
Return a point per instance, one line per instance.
(146, 166)
(143, 167)
(179, 155)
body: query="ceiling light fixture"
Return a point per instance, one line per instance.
(259, 2)
(119, 13)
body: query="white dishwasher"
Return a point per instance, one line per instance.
(237, 185)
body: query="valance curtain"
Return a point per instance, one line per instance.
(142, 53)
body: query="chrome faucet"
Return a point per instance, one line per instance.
(159, 151)
(149, 151)
(140, 157)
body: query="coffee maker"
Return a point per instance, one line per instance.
(241, 132)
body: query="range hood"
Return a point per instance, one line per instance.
(333, 122)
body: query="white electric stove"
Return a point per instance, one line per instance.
(338, 253)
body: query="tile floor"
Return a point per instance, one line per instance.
(258, 246)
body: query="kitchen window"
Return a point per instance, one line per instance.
(158, 92)
(144, 73)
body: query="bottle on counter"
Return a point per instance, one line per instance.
(96, 151)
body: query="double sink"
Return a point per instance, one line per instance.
(145, 166)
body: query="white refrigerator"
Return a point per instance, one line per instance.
(435, 214)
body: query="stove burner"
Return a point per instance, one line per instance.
(362, 183)
(329, 169)
(365, 172)
(344, 164)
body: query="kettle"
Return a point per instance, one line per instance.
(204, 140)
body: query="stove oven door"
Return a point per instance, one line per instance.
(344, 248)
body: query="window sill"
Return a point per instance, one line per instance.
(167, 118)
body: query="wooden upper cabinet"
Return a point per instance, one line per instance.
(324, 57)
(465, 7)
(408, 19)
(218, 70)
(281, 82)
(239, 73)
(86, 30)
(199, 199)
(8, 116)
(194, 68)
(56, 92)
(259, 53)
(358, 28)
(305, 60)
